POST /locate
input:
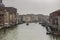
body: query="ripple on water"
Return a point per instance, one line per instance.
(23, 32)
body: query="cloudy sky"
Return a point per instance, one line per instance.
(34, 6)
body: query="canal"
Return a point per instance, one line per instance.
(23, 32)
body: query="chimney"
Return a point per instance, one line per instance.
(0, 1)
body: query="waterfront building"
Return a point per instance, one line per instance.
(1, 18)
(8, 15)
(54, 20)
(11, 15)
(20, 19)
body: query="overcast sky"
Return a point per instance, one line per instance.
(34, 6)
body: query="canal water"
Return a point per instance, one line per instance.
(24, 32)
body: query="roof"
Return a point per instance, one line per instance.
(11, 9)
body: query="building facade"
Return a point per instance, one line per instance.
(54, 20)
(11, 15)
(1, 18)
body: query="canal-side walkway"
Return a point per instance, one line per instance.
(24, 32)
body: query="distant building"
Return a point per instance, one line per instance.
(34, 18)
(30, 18)
(20, 19)
(26, 18)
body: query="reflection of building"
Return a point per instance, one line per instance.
(43, 18)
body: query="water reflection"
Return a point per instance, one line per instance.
(9, 34)
(23, 32)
